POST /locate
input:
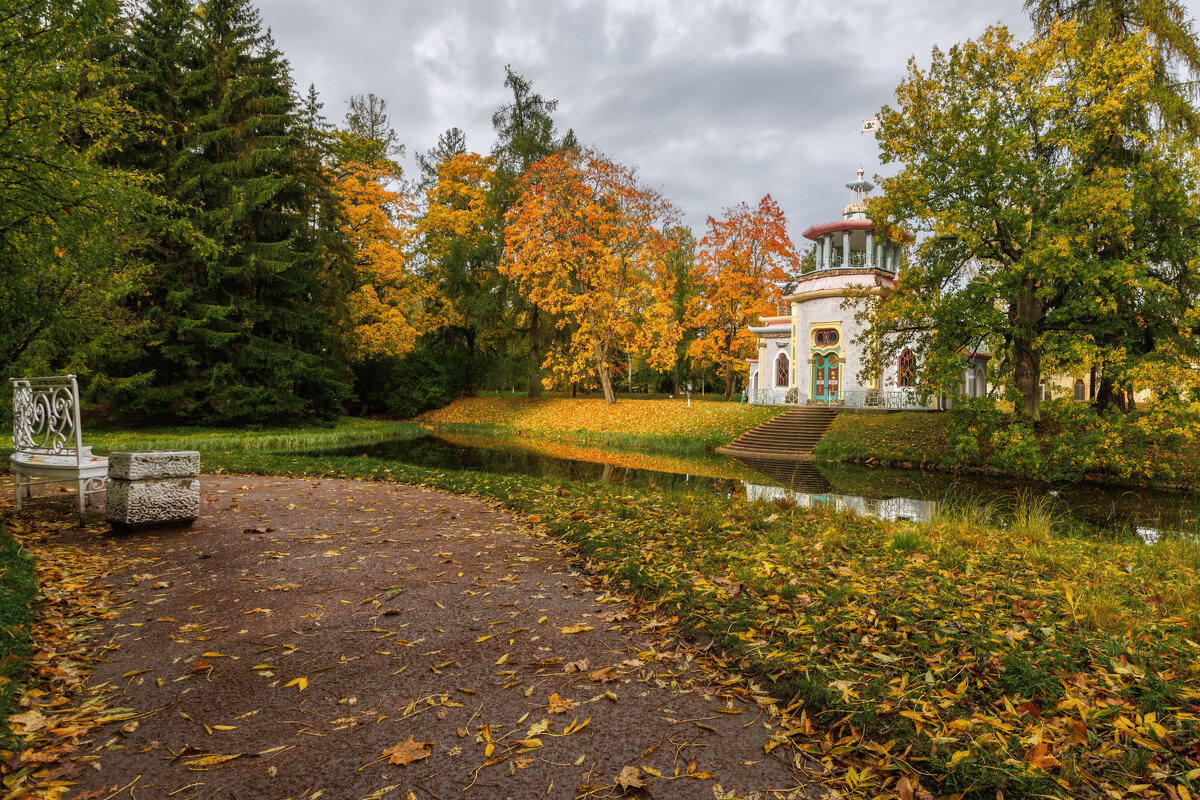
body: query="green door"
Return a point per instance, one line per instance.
(825, 378)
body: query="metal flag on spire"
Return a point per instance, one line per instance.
(870, 125)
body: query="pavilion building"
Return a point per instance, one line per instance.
(813, 355)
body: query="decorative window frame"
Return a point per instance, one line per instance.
(775, 370)
(906, 378)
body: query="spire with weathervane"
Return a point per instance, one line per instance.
(857, 208)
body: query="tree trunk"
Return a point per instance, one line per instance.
(535, 364)
(730, 378)
(601, 357)
(472, 385)
(1105, 395)
(605, 379)
(1026, 313)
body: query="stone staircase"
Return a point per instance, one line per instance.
(789, 437)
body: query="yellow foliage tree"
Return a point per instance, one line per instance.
(387, 306)
(459, 236)
(584, 240)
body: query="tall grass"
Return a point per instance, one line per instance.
(1029, 517)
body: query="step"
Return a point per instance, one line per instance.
(792, 434)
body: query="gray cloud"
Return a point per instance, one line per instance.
(714, 101)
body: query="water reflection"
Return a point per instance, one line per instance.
(535, 459)
(891, 494)
(807, 487)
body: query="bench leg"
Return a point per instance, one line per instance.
(17, 489)
(82, 500)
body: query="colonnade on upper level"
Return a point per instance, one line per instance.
(873, 255)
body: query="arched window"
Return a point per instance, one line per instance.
(907, 373)
(783, 376)
(1080, 391)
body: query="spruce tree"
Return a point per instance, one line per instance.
(242, 297)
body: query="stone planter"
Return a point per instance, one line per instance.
(158, 487)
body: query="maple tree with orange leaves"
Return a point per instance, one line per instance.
(743, 260)
(584, 240)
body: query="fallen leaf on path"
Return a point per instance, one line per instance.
(408, 751)
(211, 760)
(560, 705)
(630, 778)
(30, 721)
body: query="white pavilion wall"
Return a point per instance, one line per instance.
(823, 312)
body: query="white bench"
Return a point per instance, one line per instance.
(47, 441)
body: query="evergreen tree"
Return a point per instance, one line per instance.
(451, 142)
(242, 313)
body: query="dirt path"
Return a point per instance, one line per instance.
(305, 639)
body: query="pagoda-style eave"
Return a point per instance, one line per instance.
(815, 232)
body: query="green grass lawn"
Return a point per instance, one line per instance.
(347, 431)
(905, 437)
(18, 590)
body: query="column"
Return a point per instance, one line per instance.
(889, 250)
(845, 248)
(870, 251)
(827, 251)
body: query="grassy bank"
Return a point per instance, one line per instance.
(954, 657)
(903, 438)
(347, 431)
(661, 425)
(18, 591)
(1158, 445)
(961, 658)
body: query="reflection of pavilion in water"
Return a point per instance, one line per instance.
(803, 484)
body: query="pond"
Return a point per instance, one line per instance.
(886, 493)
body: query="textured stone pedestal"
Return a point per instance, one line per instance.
(152, 488)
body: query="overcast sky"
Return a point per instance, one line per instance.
(714, 101)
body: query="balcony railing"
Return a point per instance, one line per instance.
(898, 399)
(909, 398)
(777, 397)
(857, 260)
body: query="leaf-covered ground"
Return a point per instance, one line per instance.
(657, 424)
(948, 660)
(329, 638)
(955, 659)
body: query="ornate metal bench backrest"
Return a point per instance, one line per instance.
(46, 416)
